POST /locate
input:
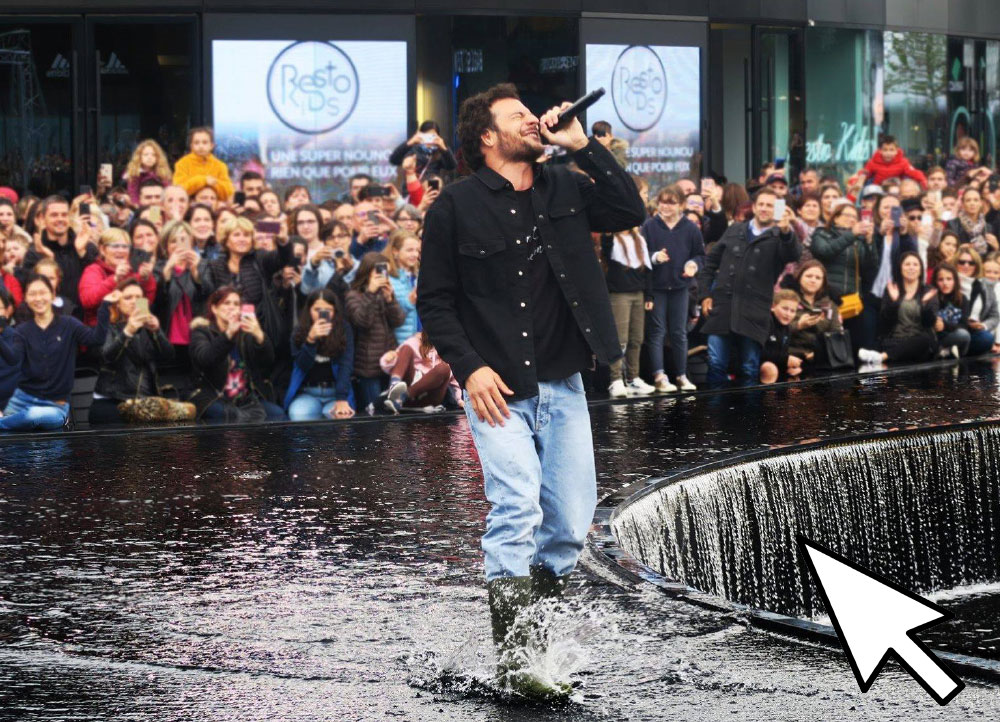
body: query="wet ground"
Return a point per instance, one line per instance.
(329, 572)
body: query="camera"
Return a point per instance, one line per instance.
(339, 253)
(382, 269)
(325, 314)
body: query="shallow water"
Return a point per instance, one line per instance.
(320, 572)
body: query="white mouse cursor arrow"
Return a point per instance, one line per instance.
(875, 617)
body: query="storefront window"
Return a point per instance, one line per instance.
(916, 95)
(843, 103)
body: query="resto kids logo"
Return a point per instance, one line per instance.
(639, 87)
(312, 87)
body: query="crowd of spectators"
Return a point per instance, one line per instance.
(195, 297)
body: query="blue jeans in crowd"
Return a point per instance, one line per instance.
(981, 342)
(366, 391)
(25, 412)
(719, 350)
(218, 412)
(540, 480)
(312, 403)
(670, 310)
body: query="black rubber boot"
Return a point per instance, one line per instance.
(546, 585)
(509, 596)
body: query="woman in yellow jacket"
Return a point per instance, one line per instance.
(200, 168)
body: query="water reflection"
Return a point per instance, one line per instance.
(294, 572)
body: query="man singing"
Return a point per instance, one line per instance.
(513, 298)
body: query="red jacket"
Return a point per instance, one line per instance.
(98, 280)
(878, 170)
(13, 287)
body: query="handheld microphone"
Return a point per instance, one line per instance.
(566, 116)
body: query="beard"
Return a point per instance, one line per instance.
(518, 148)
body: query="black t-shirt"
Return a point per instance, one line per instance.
(560, 349)
(321, 373)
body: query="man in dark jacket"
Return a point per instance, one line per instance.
(72, 253)
(736, 285)
(513, 298)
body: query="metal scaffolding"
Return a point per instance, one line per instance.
(26, 100)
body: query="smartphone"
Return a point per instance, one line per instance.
(779, 209)
(926, 219)
(434, 184)
(239, 198)
(272, 227)
(373, 217)
(707, 185)
(84, 209)
(896, 213)
(107, 171)
(155, 214)
(382, 269)
(247, 310)
(339, 253)
(866, 215)
(935, 196)
(142, 306)
(325, 314)
(86, 191)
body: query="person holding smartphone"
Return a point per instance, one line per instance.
(334, 267)
(736, 286)
(428, 147)
(372, 234)
(134, 346)
(817, 312)
(181, 285)
(323, 353)
(373, 310)
(112, 266)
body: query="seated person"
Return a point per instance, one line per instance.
(323, 352)
(45, 349)
(418, 377)
(776, 361)
(817, 313)
(231, 361)
(129, 357)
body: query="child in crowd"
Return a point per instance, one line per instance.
(889, 161)
(147, 162)
(200, 169)
(965, 157)
(775, 360)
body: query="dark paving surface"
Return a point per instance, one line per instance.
(327, 572)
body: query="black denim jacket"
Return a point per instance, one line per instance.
(473, 295)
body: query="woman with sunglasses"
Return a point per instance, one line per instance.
(984, 315)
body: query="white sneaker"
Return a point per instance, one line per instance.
(955, 352)
(664, 386)
(869, 357)
(685, 384)
(638, 387)
(617, 389)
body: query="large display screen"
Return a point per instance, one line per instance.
(311, 113)
(653, 101)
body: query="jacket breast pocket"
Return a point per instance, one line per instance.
(481, 265)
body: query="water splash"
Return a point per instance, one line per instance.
(923, 510)
(561, 638)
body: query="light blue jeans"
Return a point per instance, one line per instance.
(312, 403)
(25, 412)
(540, 480)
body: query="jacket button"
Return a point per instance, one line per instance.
(482, 253)
(575, 304)
(518, 242)
(586, 330)
(572, 210)
(520, 273)
(513, 210)
(562, 275)
(540, 216)
(527, 363)
(524, 333)
(550, 245)
(522, 304)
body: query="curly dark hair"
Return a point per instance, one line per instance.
(476, 117)
(334, 344)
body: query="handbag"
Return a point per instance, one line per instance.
(851, 304)
(835, 351)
